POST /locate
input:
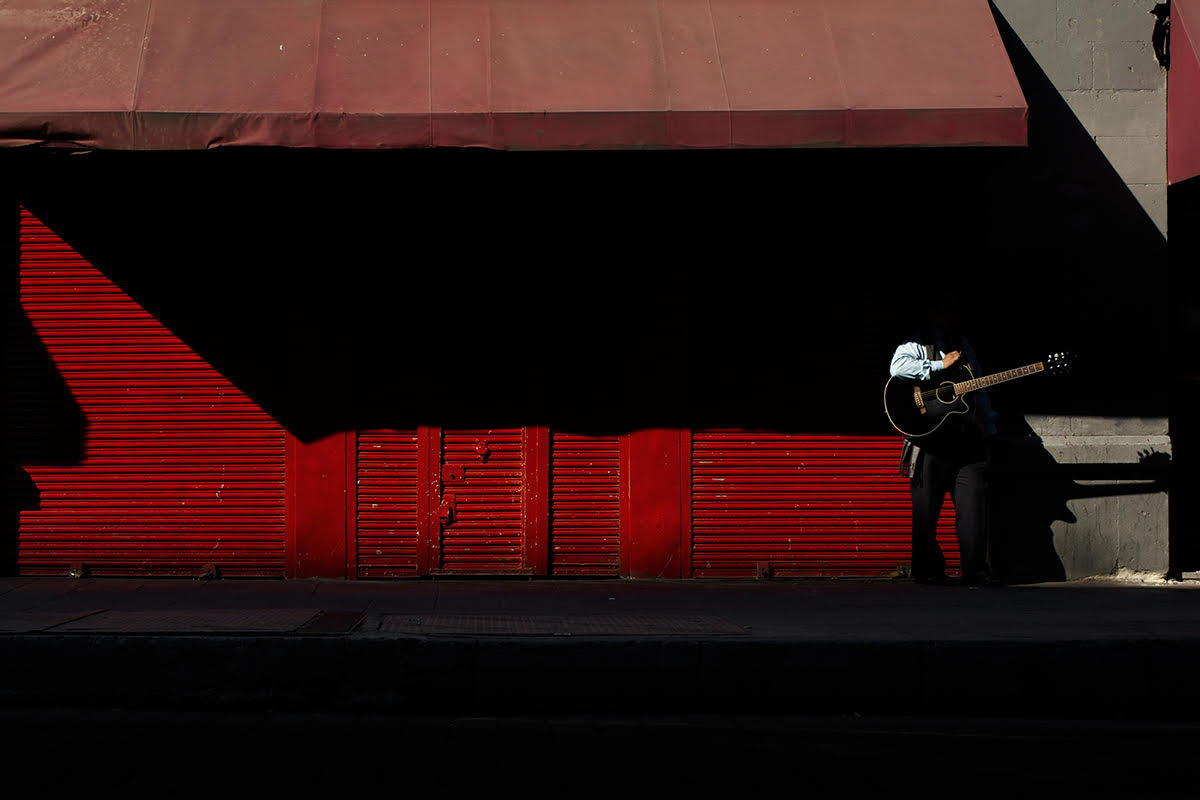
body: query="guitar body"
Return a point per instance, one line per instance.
(918, 408)
(939, 401)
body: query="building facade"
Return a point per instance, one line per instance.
(624, 357)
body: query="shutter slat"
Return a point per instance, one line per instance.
(387, 503)
(177, 467)
(585, 505)
(808, 505)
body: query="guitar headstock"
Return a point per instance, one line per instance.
(1058, 363)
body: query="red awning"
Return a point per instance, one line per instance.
(1183, 92)
(531, 74)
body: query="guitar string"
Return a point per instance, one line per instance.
(984, 381)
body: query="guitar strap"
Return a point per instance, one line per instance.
(908, 458)
(910, 454)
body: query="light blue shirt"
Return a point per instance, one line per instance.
(909, 361)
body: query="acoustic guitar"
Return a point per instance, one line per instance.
(918, 408)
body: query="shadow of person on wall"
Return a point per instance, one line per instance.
(1026, 498)
(1030, 492)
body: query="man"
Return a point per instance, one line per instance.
(952, 459)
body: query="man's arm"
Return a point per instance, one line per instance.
(909, 361)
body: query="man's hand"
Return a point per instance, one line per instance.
(951, 358)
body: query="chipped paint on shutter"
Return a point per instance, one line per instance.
(482, 473)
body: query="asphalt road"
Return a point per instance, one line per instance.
(192, 753)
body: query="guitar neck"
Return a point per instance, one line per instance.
(999, 377)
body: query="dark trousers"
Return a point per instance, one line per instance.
(965, 478)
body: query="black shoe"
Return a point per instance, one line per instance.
(982, 579)
(933, 580)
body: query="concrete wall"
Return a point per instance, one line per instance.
(1114, 479)
(1098, 54)
(1087, 495)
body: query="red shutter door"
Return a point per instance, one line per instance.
(173, 467)
(585, 504)
(805, 505)
(387, 503)
(472, 501)
(481, 510)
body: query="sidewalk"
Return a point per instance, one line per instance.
(1080, 649)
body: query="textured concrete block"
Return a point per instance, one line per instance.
(1116, 495)
(1032, 20)
(1126, 20)
(1085, 547)
(1083, 103)
(1068, 67)
(1144, 542)
(1127, 65)
(1077, 19)
(1153, 199)
(1137, 159)
(1055, 425)
(1130, 113)
(1104, 20)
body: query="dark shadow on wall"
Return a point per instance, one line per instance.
(1030, 491)
(1073, 263)
(609, 291)
(592, 291)
(41, 424)
(1183, 202)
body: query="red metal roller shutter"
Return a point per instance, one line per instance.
(387, 503)
(179, 469)
(805, 505)
(585, 504)
(482, 482)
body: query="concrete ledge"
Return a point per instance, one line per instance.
(1045, 426)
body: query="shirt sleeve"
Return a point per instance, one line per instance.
(909, 361)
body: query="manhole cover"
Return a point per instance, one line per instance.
(593, 625)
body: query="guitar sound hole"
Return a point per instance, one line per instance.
(945, 393)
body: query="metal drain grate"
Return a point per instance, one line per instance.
(592, 625)
(278, 620)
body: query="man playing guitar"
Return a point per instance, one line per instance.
(951, 459)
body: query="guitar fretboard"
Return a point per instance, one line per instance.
(999, 377)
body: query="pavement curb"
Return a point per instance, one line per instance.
(1136, 678)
